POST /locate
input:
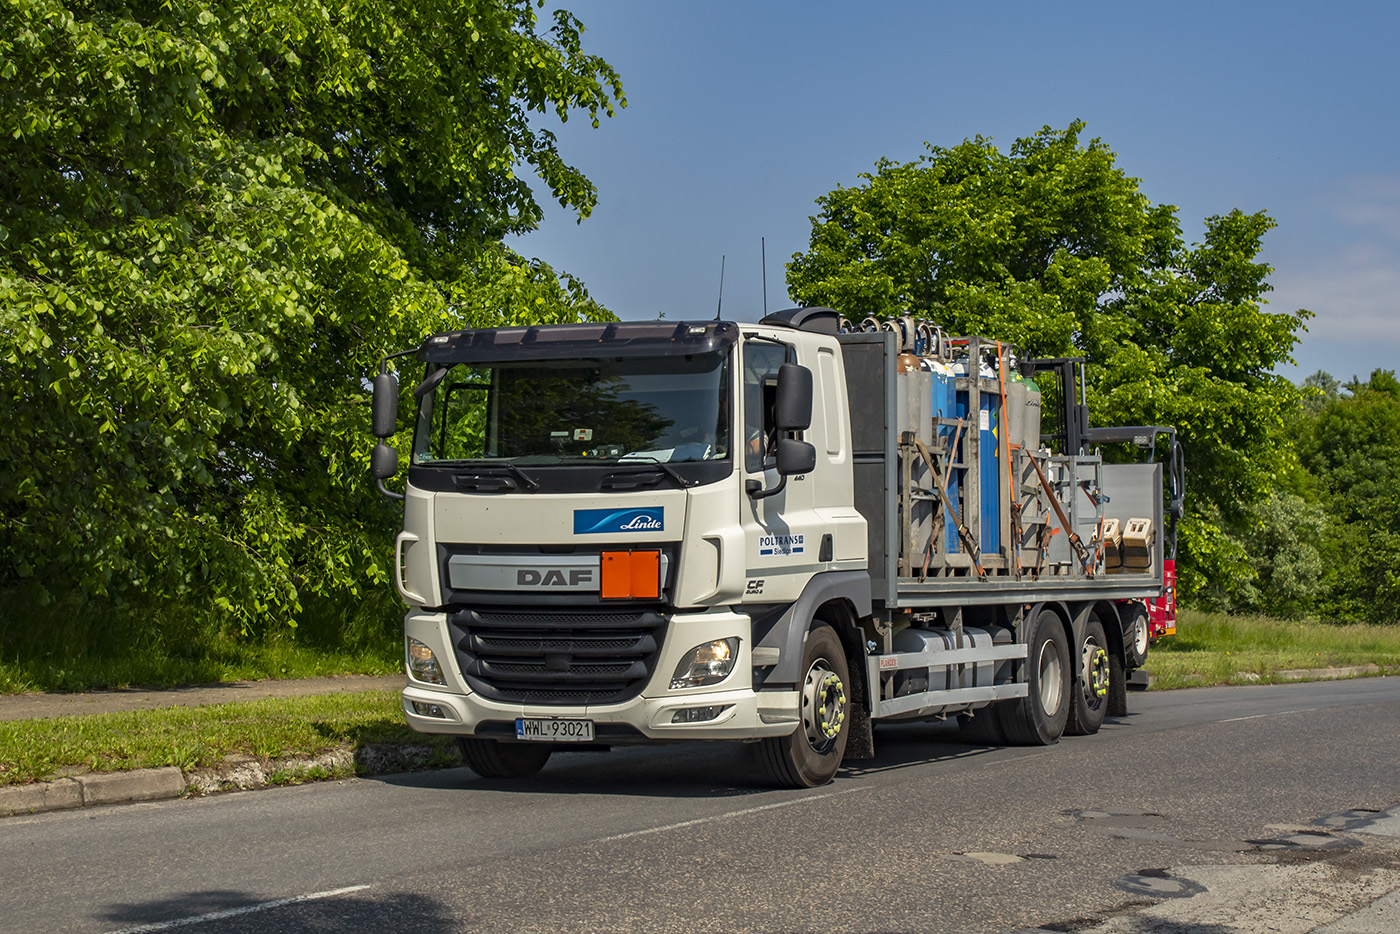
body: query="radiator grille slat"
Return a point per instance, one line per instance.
(556, 657)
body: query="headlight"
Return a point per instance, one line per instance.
(709, 663)
(423, 664)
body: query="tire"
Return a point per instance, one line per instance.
(982, 728)
(491, 759)
(1117, 687)
(1135, 637)
(1093, 676)
(811, 755)
(1039, 718)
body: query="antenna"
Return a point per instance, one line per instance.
(763, 259)
(720, 303)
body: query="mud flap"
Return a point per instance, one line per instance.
(860, 744)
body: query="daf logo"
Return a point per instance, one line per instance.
(531, 577)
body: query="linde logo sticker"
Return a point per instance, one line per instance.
(780, 545)
(596, 521)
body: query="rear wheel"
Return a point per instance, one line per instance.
(811, 755)
(1117, 687)
(1135, 637)
(1039, 718)
(1093, 677)
(491, 759)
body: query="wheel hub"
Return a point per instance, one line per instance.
(823, 706)
(1095, 670)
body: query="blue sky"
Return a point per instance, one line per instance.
(741, 114)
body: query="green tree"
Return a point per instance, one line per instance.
(1284, 541)
(215, 217)
(1051, 245)
(1319, 391)
(1353, 448)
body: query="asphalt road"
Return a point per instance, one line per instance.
(1211, 810)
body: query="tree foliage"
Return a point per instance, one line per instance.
(1051, 245)
(1352, 447)
(215, 217)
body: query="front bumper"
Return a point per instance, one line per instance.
(747, 714)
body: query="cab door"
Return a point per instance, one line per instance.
(783, 535)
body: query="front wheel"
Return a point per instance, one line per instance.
(491, 759)
(811, 755)
(1039, 718)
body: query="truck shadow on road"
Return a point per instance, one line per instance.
(911, 744)
(228, 911)
(706, 770)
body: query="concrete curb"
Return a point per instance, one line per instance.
(91, 790)
(1331, 674)
(237, 773)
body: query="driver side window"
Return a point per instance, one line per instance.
(761, 363)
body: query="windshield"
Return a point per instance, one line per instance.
(666, 410)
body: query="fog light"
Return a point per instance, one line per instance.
(698, 714)
(428, 710)
(422, 663)
(709, 663)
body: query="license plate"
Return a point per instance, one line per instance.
(554, 730)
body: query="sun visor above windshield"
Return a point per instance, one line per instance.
(580, 341)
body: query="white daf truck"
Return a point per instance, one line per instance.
(776, 533)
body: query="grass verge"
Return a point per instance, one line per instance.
(193, 737)
(230, 661)
(1209, 648)
(1213, 648)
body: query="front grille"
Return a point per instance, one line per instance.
(505, 644)
(534, 619)
(557, 657)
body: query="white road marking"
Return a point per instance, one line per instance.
(1277, 713)
(234, 912)
(718, 817)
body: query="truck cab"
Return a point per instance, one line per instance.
(603, 524)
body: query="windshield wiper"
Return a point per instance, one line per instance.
(651, 463)
(492, 466)
(521, 475)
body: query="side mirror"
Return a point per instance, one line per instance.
(795, 457)
(383, 462)
(385, 407)
(792, 410)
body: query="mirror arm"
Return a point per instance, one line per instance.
(386, 492)
(384, 360)
(756, 491)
